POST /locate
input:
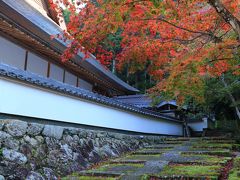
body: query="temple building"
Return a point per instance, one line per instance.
(169, 108)
(35, 83)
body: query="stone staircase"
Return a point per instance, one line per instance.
(173, 159)
(216, 133)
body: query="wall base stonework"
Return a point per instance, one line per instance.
(37, 151)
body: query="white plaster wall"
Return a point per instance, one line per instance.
(84, 84)
(20, 99)
(11, 54)
(70, 78)
(56, 72)
(199, 126)
(37, 65)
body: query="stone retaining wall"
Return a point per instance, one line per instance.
(37, 151)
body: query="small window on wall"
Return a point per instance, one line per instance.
(70, 79)
(56, 72)
(11, 54)
(84, 84)
(37, 65)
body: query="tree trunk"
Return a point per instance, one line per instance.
(145, 80)
(127, 73)
(183, 118)
(226, 15)
(114, 66)
(231, 97)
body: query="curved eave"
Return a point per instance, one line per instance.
(42, 27)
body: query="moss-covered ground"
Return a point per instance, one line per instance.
(212, 145)
(118, 167)
(235, 172)
(154, 149)
(226, 153)
(79, 177)
(207, 159)
(211, 172)
(146, 157)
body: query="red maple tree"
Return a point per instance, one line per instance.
(182, 39)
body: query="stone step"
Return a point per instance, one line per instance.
(101, 174)
(198, 163)
(144, 157)
(178, 139)
(217, 133)
(180, 177)
(74, 177)
(148, 152)
(171, 142)
(127, 161)
(153, 150)
(214, 153)
(130, 177)
(159, 147)
(208, 149)
(122, 168)
(216, 138)
(219, 141)
(188, 172)
(211, 147)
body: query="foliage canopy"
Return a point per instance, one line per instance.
(178, 42)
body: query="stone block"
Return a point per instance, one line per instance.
(53, 131)
(16, 128)
(14, 156)
(34, 129)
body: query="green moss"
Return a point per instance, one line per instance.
(216, 139)
(212, 145)
(145, 177)
(236, 163)
(1, 151)
(34, 153)
(127, 167)
(145, 157)
(207, 159)
(178, 139)
(220, 141)
(172, 142)
(148, 152)
(208, 149)
(234, 174)
(156, 149)
(88, 178)
(160, 147)
(191, 171)
(214, 153)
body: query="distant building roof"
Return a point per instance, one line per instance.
(143, 101)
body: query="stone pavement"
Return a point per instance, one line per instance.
(153, 162)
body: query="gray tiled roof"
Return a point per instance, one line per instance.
(143, 101)
(34, 79)
(47, 27)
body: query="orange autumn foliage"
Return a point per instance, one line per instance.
(183, 39)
